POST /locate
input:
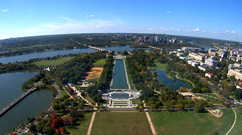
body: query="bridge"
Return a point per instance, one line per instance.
(18, 99)
(99, 49)
(154, 47)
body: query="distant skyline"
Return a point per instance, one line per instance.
(220, 19)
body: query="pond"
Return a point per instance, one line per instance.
(119, 76)
(171, 83)
(120, 95)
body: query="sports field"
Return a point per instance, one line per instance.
(94, 73)
(52, 62)
(121, 123)
(192, 123)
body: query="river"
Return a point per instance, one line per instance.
(171, 83)
(26, 57)
(206, 48)
(31, 106)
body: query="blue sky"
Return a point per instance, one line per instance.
(220, 19)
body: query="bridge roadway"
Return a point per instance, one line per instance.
(99, 49)
(154, 47)
(18, 99)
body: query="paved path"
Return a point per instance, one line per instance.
(91, 124)
(235, 118)
(151, 124)
(208, 96)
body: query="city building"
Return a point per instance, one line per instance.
(212, 52)
(237, 73)
(211, 62)
(196, 56)
(209, 75)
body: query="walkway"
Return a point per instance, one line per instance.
(151, 124)
(235, 118)
(91, 124)
(80, 95)
(18, 99)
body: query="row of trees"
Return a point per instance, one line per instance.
(30, 83)
(17, 66)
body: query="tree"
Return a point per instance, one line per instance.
(32, 128)
(73, 121)
(63, 130)
(67, 122)
(53, 116)
(58, 132)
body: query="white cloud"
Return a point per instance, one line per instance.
(168, 12)
(5, 10)
(234, 32)
(197, 29)
(152, 28)
(89, 15)
(178, 29)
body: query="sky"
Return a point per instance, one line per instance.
(220, 19)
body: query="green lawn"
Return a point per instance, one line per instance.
(237, 127)
(90, 100)
(92, 80)
(129, 76)
(121, 123)
(82, 128)
(137, 101)
(63, 93)
(192, 123)
(53, 62)
(100, 62)
(160, 65)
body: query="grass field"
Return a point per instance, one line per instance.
(237, 127)
(184, 123)
(52, 62)
(160, 65)
(92, 80)
(100, 62)
(82, 128)
(121, 123)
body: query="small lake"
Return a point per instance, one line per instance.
(206, 48)
(171, 83)
(30, 106)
